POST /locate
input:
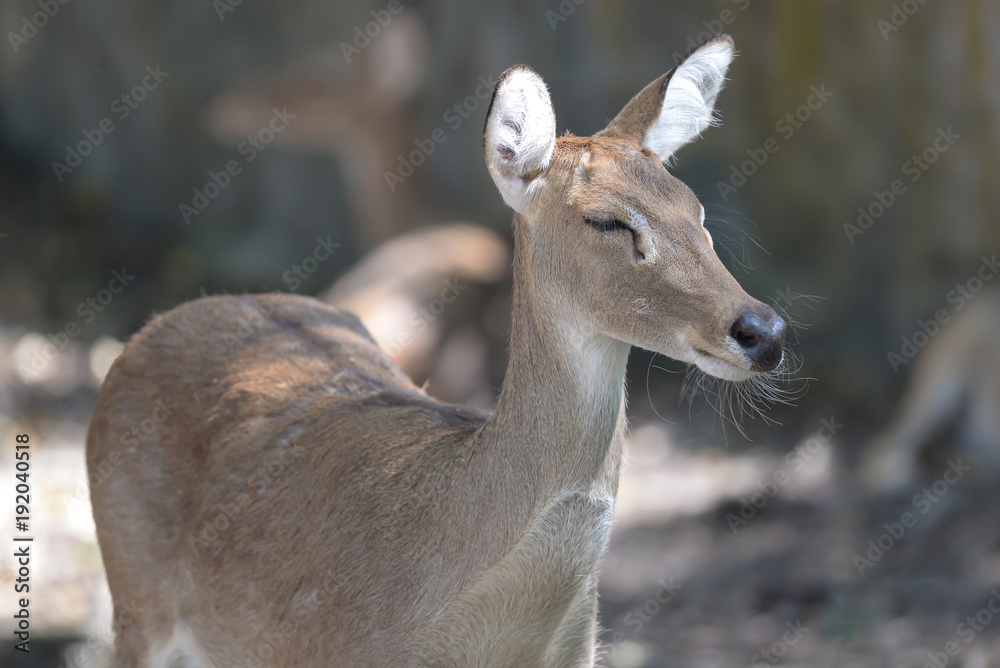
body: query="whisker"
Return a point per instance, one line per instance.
(649, 394)
(741, 231)
(737, 402)
(783, 304)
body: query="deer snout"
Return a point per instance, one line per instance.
(760, 333)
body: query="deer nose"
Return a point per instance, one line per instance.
(761, 335)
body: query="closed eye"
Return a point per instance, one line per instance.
(606, 225)
(610, 224)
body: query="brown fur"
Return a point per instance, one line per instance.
(300, 502)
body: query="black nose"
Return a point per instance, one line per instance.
(761, 335)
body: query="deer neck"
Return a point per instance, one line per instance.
(560, 421)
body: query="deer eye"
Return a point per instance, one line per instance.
(606, 225)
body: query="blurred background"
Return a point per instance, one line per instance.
(153, 152)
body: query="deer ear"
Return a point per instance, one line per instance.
(673, 110)
(520, 135)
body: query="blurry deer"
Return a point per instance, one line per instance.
(951, 404)
(427, 298)
(305, 504)
(356, 112)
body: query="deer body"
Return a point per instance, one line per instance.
(239, 438)
(303, 503)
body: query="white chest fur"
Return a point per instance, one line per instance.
(536, 606)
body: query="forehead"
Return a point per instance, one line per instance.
(608, 168)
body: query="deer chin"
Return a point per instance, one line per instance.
(720, 368)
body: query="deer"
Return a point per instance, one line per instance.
(356, 113)
(950, 405)
(300, 502)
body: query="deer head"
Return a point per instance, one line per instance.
(612, 242)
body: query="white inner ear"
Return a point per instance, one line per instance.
(520, 135)
(689, 101)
